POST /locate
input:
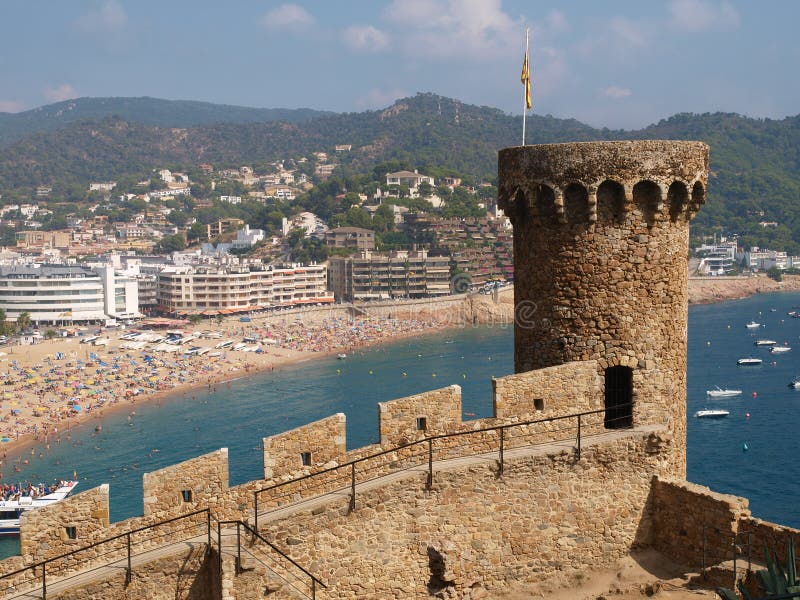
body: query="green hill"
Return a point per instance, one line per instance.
(755, 163)
(147, 111)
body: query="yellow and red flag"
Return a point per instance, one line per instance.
(525, 78)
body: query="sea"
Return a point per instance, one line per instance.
(750, 453)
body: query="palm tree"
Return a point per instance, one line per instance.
(24, 321)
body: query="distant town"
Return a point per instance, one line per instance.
(210, 242)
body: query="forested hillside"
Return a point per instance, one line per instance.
(755, 164)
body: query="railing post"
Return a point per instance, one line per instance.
(219, 549)
(208, 527)
(313, 589)
(749, 554)
(734, 561)
(352, 486)
(502, 447)
(238, 548)
(128, 570)
(255, 494)
(44, 581)
(579, 437)
(704, 551)
(430, 463)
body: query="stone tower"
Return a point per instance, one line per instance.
(601, 236)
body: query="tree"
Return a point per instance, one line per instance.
(50, 334)
(195, 319)
(219, 319)
(425, 189)
(171, 243)
(24, 321)
(197, 231)
(178, 217)
(5, 327)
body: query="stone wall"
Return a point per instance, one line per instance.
(553, 391)
(694, 525)
(187, 485)
(43, 532)
(546, 515)
(306, 447)
(422, 415)
(189, 575)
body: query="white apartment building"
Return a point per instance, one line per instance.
(54, 294)
(212, 290)
(764, 259)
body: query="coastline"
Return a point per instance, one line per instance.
(707, 290)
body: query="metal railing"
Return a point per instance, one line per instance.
(422, 450)
(291, 573)
(123, 551)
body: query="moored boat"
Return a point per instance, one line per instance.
(720, 393)
(764, 343)
(753, 325)
(795, 383)
(341, 356)
(15, 501)
(711, 413)
(749, 362)
(779, 349)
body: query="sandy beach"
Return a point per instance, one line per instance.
(57, 384)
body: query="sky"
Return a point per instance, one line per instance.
(609, 63)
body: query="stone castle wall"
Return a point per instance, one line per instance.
(187, 484)
(317, 443)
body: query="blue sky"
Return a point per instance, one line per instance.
(608, 63)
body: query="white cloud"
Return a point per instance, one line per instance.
(106, 17)
(365, 37)
(376, 98)
(63, 92)
(548, 72)
(445, 29)
(616, 92)
(11, 106)
(619, 38)
(556, 22)
(288, 17)
(702, 15)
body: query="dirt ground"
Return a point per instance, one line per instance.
(646, 574)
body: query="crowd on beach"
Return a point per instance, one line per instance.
(50, 385)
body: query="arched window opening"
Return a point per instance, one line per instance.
(698, 194)
(610, 202)
(677, 198)
(647, 195)
(576, 204)
(546, 204)
(521, 210)
(618, 398)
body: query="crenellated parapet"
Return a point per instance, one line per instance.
(619, 183)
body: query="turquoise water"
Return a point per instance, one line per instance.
(239, 414)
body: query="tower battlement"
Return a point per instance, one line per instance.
(624, 183)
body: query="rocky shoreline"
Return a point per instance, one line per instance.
(705, 290)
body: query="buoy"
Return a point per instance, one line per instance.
(729, 326)
(755, 394)
(433, 374)
(708, 343)
(370, 371)
(405, 374)
(463, 375)
(747, 415)
(98, 428)
(745, 447)
(338, 371)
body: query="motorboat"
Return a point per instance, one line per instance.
(753, 325)
(341, 356)
(14, 503)
(749, 362)
(711, 413)
(795, 383)
(720, 393)
(779, 349)
(764, 343)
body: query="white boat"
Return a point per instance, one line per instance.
(341, 356)
(749, 362)
(764, 343)
(795, 383)
(779, 349)
(720, 393)
(15, 505)
(753, 325)
(711, 414)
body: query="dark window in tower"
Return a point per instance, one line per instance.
(610, 202)
(576, 204)
(647, 196)
(546, 204)
(677, 198)
(618, 398)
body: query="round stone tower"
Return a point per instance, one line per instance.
(601, 240)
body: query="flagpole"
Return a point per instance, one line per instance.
(525, 94)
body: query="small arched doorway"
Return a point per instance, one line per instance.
(618, 398)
